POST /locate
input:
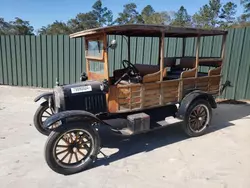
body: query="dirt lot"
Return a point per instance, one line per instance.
(163, 158)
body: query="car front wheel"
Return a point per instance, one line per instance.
(71, 148)
(42, 113)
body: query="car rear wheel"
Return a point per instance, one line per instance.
(42, 113)
(197, 118)
(71, 148)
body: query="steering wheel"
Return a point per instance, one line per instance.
(132, 71)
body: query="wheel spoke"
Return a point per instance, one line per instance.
(63, 151)
(65, 156)
(70, 157)
(81, 153)
(47, 112)
(194, 124)
(52, 110)
(70, 138)
(66, 141)
(192, 120)
(76, 157)
(45, 116)
(62, 146)
(198, 125)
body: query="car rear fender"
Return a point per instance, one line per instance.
(190, 98)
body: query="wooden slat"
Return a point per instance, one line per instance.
(152, 77)
(136, 106)
(189, 73)
(151, 103)
(202, 88)
(173, 94)
(112, 102)
(202, 79)
(169, 89)
(215, 92)
(202, 84)
(136, 94)
(128, 100)
(171, 83)
(152, 92)
(213, 81)
(214, 87)
(213, 72)
(150, 86)
(170, 99)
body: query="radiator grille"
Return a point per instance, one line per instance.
(94, 103)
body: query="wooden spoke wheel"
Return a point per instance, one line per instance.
(197, 118)
(42, 113)
(71, 148)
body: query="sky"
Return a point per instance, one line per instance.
(43, 12)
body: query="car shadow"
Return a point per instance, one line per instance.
(130, 145)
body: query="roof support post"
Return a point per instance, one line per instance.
(129, 51)
(197, 55)
(183, 46)
(223, 47)
(162, 54)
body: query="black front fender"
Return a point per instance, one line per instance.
(192, 96)
(46, 96)
(61, 116)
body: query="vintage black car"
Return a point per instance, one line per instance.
(131, 101)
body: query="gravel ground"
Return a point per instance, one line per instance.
(163, 158)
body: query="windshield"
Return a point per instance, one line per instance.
(95, 48)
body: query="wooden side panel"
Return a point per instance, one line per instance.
(188, 84)
(129, 97)
(152, 77)
(214, 84)
(112, 99)
(170, 91)
(151, 95)
(202, 83)
(188, 79)
(213, 72)
(189, 73)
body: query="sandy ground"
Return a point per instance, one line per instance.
(163, 158)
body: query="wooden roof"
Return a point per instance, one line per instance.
(150, 31)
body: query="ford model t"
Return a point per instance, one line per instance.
(130, 100)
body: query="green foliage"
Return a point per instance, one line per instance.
(16, 27)
(55, 28)
(227, 15)
(83, 21)
(246, 13)
(4, 26)
(207, 17)
(103, 15)
(149, 16)
(211, 15)
(129, 15)
(99, 16)
(181, 18)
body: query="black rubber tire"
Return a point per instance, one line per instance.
(38, 119)
(57, 133)
(186, 126)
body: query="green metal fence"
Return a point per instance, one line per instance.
(39, 60)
